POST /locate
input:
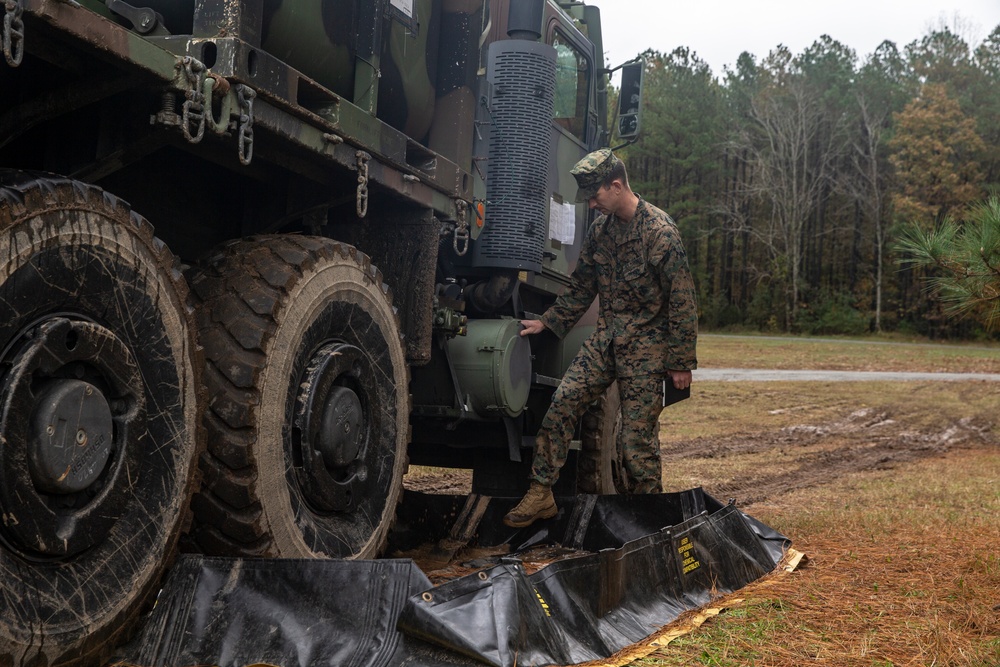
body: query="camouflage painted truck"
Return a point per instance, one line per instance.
(354, 202)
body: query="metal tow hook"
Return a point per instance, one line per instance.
(215, 86)
(13, 32)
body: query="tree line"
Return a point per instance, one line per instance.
(794, 177)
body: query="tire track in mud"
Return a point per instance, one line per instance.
(813, 455)
(772, 463)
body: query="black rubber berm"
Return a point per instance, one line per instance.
(99, 374)
(308, 417)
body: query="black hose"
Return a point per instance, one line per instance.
(489, 296)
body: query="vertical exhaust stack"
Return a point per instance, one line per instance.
(524, 20)
(522, 78)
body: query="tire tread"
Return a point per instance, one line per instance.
(24, 195)
(239, 294)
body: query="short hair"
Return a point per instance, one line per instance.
(617, 173)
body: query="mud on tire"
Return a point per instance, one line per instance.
(308, 401)
(98, 415)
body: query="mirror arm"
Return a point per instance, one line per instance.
(611, 71)
(627, 143)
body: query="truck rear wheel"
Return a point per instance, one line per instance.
(600, 467)
(308, 416)
(98, 417)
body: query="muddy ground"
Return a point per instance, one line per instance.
(763, 465)
(812, 454)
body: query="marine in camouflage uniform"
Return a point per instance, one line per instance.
(633, 259)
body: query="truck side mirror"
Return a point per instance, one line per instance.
(630, 100)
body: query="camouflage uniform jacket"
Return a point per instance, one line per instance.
(648, 312)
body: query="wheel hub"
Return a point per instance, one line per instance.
(73, 437)
(71, 404)
(342, 429)
(332, 429)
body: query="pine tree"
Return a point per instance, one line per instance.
(965, 258)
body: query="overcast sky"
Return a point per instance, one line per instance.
(719, 30)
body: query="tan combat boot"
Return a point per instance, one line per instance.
(537, 503)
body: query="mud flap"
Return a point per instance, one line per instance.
(643, 561)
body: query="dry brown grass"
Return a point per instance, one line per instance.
(903, 569)
(903, 556)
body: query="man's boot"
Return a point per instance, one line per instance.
(537, 503)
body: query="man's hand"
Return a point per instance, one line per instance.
(681, 379)
(531, 327)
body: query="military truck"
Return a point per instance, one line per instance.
(354, 202)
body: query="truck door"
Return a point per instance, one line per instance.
(574, 133)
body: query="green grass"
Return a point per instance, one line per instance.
(862, 354)
(760, 621)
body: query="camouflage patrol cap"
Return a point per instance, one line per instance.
(591, 171)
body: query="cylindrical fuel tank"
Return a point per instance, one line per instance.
(493, 365)
(322, 39)
(317, 37)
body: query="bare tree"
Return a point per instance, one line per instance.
(867, 186)
(794, 147)
(880, 90)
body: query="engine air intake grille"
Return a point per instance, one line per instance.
(523, 78)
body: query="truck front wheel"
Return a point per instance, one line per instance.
(98, 418)
(308, 416)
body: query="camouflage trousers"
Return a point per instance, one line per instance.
(586, 379)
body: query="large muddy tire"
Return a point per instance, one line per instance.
(600, 463)
(98, 416)
(308, 416)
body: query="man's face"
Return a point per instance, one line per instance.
(605, 200)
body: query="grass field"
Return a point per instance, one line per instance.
(892, 490)
(871, 354)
